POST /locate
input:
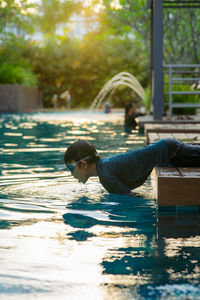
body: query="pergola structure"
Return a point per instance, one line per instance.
(157, 89)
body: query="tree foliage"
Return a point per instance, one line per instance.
(181, 36)
(117, 39)
(15, 16)
(55, 13)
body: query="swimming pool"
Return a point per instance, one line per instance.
(63, 240)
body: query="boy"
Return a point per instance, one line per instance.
(121, 173)
(130, 117)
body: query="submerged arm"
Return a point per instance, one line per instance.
(114, 185)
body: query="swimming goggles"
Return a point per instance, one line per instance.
(71, 167)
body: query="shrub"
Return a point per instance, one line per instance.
(148, 98)
(182, 99)
(13, 74)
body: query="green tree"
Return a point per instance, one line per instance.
(15, 16)
(131, 17)
(16, 55)
(15, 49)
(54, 14)
(126, 19)
(101, 58)
(53, 62)
(181, 35)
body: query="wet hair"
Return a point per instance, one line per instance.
(128, 106)
(80, 149)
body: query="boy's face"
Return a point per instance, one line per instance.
(80, 171)
(132, 110)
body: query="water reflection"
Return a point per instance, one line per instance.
(59, 237)
(142, 253)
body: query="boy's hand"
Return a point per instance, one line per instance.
(131, 193)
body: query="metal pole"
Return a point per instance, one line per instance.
(157, 84)
(170, 92)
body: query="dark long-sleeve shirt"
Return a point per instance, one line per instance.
(122, 172)
(130, 119)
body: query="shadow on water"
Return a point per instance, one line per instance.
(155, 250)
(111, 210)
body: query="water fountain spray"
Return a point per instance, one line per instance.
(123, 78)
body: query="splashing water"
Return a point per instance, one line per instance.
(123, 78)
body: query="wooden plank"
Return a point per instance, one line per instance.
(180, 136)
(193, 136)
(172, 128)
(152, 137)
(164, 135)
(149, 128)
(168, 172)
(189, 172)
(177, 186)
(148, 119)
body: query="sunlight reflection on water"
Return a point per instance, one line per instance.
(59, 237)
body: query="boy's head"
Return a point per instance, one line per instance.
(79, 156)
(130, 108)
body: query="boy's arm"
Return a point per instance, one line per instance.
(114, 185)
(138, 114)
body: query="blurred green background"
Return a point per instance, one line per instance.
(79, 45)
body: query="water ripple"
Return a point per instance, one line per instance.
(61, 237)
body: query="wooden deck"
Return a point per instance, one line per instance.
(171, 128)
(177, 186)
(152, 137)
(148, 119)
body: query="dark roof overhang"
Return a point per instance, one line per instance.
(176, 4)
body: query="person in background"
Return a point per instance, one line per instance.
(55, 100)
(106, 108)
(130, 116)
(67, 97)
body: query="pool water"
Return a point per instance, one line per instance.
(63, 240)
